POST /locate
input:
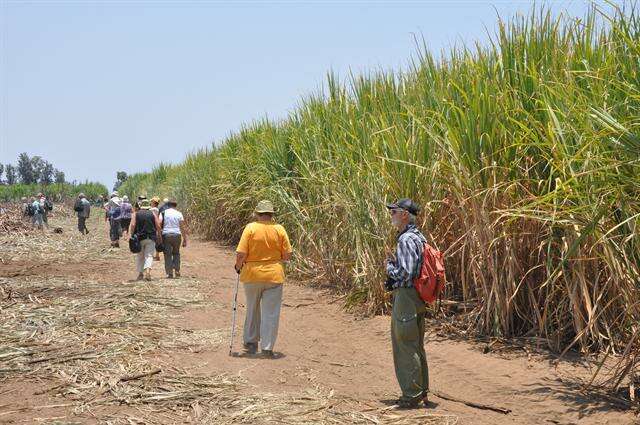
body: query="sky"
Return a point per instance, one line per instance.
(100, 86)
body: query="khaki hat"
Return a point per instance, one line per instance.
(264, 207)
(144, 204)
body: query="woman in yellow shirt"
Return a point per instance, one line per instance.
(262, 249)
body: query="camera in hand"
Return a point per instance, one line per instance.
(388, 284)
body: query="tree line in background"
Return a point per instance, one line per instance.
(31, 175)
(34, 170)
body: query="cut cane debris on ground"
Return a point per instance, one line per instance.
(92, 349)
(11, 221)
(80, 342)
(93, 346)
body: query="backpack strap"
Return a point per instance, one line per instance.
(421, 247)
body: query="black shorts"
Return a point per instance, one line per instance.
(124, 223)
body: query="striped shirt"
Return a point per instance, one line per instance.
(408, 261)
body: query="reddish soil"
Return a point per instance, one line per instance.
(321, 344)
(319, 341)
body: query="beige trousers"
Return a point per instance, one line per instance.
(144, 258)
(263, 313)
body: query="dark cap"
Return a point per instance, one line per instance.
(405, 204)
(172, 201)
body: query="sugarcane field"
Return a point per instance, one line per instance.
(319, 212)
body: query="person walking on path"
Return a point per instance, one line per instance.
(40, 198)
(262, 249)
(113, 216)
(146, 226)
(155, 201)
(408, 311)
(164, 206)
(174, 235)
(136, 205)
(126, 210)
(46, 206)
(38, 212)
(25, 208)
(83, 208)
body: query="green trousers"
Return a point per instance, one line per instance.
(407, 340)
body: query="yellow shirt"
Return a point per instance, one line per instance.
(265, 244)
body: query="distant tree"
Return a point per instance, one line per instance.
(25, 169)
(121, 177)
(59, 176)
(37, 164)
(1, 171)
(10, 172)
(46, 174)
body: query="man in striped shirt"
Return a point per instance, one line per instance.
(408, 313)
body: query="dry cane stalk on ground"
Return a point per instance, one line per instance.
(92, 345)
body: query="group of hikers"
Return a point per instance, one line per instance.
(261, 255)
(37, 210)
(155, 227)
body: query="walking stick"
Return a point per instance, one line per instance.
(235, 310)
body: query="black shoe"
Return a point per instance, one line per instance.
(425, 399)
(251, 347)
(409, 403)
(267, 354)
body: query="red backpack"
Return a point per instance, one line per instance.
(431, 280)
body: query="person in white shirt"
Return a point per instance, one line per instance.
(38, 211)
(174, 235)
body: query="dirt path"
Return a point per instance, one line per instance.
(326, 356)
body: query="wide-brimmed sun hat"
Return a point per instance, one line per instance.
(144, 204)
(265, 207)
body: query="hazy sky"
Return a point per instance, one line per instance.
(100, 86)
